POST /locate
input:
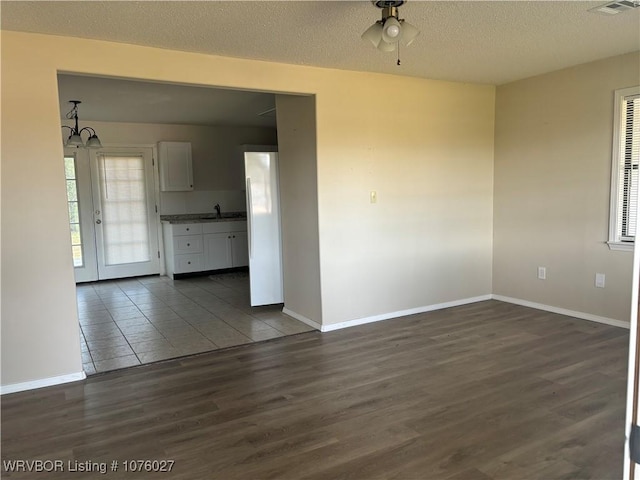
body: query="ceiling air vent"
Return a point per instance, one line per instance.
(612, 8)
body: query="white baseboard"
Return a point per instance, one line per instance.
(302, 318)
(403, 313)
(44, 382)
(563, 311)
(74, 377)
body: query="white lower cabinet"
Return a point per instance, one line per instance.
(200, 247)
(218, 250)
(239, 249)
(225, 250)
(189, 263)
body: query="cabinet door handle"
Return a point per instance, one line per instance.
(189, 263)
(188, 244)
(187, 229)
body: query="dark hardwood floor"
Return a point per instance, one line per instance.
(483, 391)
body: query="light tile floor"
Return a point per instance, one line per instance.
(134, 321)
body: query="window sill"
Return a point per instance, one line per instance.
(621, 246)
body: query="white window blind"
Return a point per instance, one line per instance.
(629, 162)
(124, 209)
(625, 176)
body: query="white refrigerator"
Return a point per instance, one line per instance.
(263, 227)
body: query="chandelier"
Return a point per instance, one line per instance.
(75, 137)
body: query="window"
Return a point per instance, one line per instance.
(624, 171)
(125, 221)
(74, 213)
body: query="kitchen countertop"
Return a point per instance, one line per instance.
(204, 217)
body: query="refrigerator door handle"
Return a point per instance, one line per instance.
(249, 216)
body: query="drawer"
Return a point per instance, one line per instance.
(224, 227)
(186, 228)
(189, 263)
(187, 244)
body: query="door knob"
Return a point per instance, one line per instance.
(98, 221)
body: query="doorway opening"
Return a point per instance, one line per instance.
(131, 316)
(112, 212)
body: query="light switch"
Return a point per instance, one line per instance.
(600, 280)
(373, 196)
(542, 273)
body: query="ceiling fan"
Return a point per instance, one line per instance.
(386, 34)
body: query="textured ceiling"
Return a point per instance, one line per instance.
(488, 42)
(470, 41)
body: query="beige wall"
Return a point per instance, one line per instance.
(552, 182)
(299, 205)
(218, 163)
(425, 146)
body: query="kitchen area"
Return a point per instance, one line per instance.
(214, 211)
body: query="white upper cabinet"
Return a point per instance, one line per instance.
(176, 171)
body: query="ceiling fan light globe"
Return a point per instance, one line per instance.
(387, 46)
(392, 30)
(373, 34)
(409, 33)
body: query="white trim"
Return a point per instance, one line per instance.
(402, 313)
(563, 311)
(44, 382)
(621, 246)
(619, 97)
(302, 318)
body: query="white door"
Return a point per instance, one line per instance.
(631, 468)
(118, 222)
(124, 213)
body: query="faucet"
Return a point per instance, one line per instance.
(217, 207)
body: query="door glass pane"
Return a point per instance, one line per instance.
(72, 193)
(74, 216)
(124, 209)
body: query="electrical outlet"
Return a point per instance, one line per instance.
(373, 196)
(542, 273)
(600, 280)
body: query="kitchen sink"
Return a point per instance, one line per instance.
(213, 216)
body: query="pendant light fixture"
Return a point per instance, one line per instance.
(75, 138)
(386, 34)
